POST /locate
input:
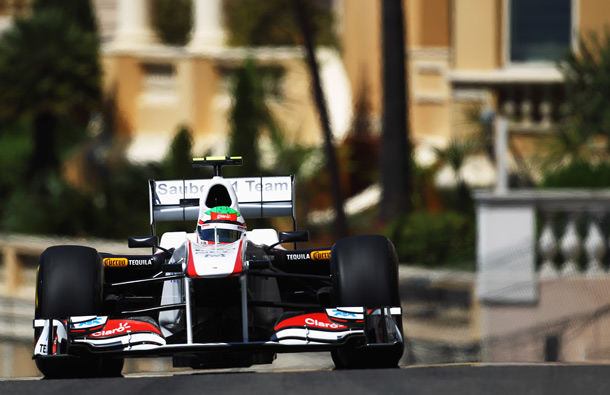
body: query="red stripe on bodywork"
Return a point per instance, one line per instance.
(190, 266)
(120, 327)
(237, 269)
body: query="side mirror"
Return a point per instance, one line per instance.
(142, 241)
(294, 236)
(290, 237)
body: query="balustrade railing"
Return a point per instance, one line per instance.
(530, 107)
(573, 239)
(527, 236)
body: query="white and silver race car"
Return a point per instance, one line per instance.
(221, 296)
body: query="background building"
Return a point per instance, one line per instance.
(497, 55)
(500, 55)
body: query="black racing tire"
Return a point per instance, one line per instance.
(70, 283)
(365, 273)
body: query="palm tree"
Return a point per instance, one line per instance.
(395, 154)
(587, 80)
(454, 155)
(249, 116)
(48, 70)
(316, 87)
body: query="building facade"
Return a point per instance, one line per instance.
(500, 56)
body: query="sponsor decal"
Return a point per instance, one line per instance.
(123, 262)
(88, 324)
(213, 255)
(123, 326)
(248, 189)
(165, 188)
(322, 255)
(257, 186)
(341, 314)
(140, 262)
(322, 324)
(43, 347)
(223, 216)
(315, 320)
(119, 327)
(115, 262)
(223, 213)
(297, 257)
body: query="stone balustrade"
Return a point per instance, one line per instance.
(530, 107)
(532, 99)
(528, 236)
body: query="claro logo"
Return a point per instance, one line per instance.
(321, 324)
(115, 262)
(323, 255)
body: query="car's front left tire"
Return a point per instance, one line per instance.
(70, 283)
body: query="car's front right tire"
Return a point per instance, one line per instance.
(365, 273)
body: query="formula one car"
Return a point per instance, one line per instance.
(220, 296)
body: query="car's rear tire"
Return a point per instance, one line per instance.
(365, 273)
(70, 283)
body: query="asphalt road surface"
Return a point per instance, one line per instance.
(424, 380)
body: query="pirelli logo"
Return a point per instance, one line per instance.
(322, 255)
(115, 262)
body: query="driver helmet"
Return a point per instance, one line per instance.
(220, 225)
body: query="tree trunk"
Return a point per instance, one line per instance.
(395, 163)
(44, 158)
(331, 159)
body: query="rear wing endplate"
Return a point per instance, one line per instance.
(258, 197)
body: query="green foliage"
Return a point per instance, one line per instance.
(434, 239)
(48, 64)
(456, 152)
(80, 12)
(173, 20)
(117, 210)
(273, 22)
(568, 144)
(455, 155)
(60, 210)
(178, 161)
(587, 81)
(122, 204)
(569, 154)
(360, 147)
(49, 72)
(15, 145)
(249, 116)
(578, 174)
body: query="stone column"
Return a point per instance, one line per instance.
(133, 24)
(208, 30)
(12, 269)
(506, 241)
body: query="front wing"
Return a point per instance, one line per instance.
(322, 331)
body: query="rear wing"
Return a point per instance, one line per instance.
(258, 197)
